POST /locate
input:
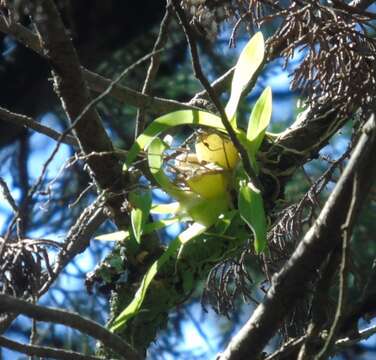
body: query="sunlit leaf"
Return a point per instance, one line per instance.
(171, 208)
(134, 307)
(249, 61)
(137, 222)
(141, 202)
(148, 228)
(206, 212)
(251, 207)
(258, 122)
(114, 236)
(167, 122)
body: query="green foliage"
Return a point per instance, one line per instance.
(141, 202)
(258, 122)
(252, 211)
(214, 210)
(248, 63)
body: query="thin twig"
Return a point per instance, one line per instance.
(212, 94)
(343, 274)
(74, 122)
(153, 67)
(96, 82)
(28, 122)
(340, 344)
(5, 193)
(114, 82)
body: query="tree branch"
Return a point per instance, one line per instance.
(75, 321)
(77, 240)
(45, 351)
(153, 67)
(302, 266)
(25, 121)
(213, 96)
(70, 86)
(96, 82)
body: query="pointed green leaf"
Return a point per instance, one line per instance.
(258, 122)
(251, 207)
(250, 59)
(134, 307)
(148, 228)
(137, 223)
(204, 211)
(114, 236)
(171, 208)
(167, 122)
(141, 201)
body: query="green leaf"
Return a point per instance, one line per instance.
(114, 236)
(250, 59)
(251, 207)
(137, 223)
(167, 122)
(258, 122)
(148, 228)
(171, 208)
(134, 307)
(141, 201)
(204, 211)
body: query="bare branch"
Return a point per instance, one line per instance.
(77, 240)
(25, 121)
(5, 193)
(293, 345)
(151, 104)
(71, 88)
(98, 83)
(153, 67)
(45, 351)
(75, 321)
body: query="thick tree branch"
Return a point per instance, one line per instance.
(75, 321)
(71, 88)
(289, 284)
(96, 82)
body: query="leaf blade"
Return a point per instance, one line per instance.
(141, 201)
(134, 307)
(251, 208)
(250, 60)
(167, 122)
(259, 120)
